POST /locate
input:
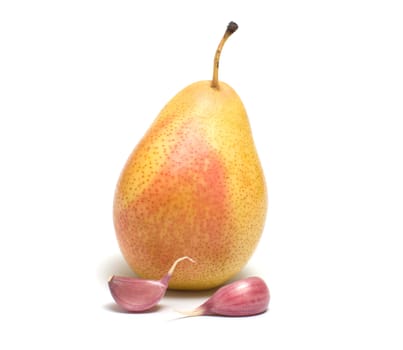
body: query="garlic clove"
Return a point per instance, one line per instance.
(137, 294)
(134, 294)
(246, 297)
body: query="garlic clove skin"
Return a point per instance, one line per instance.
(137, 294)
(134, 294)
(246, 297)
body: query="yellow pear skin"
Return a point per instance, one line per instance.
(193, 186)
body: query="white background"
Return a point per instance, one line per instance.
(81, 81)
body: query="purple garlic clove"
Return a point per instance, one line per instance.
(246, 297)
(137, 294)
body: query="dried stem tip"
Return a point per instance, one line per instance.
(232, 27)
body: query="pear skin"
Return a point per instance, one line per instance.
(193, 186)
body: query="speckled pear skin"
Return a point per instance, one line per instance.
(193, 186)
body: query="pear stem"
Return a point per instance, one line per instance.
(231, 28)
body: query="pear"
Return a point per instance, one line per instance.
(193, 186)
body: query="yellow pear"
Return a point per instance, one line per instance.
(193, 186)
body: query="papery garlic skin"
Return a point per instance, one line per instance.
(246, 297)
(136, 295)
